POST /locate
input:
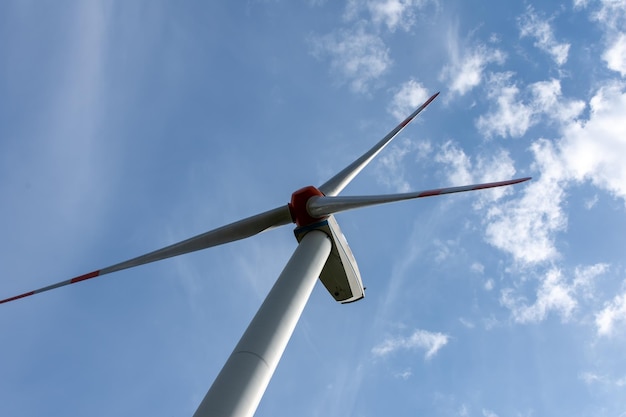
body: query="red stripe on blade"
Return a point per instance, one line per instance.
(431, 192)
(17, 297)
(84, 277)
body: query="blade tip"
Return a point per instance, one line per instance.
(434, 96)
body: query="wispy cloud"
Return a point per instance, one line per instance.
(613, 312)
(512, 117)
(558, 292)
(532, 25)
(458, 164)
(514, 114)
(390, 165)
(526, 226)
(592, 378)
(610, 13)
(553, 294)
(392, 14)
(356, 55)
(547, 100)
(407, 98)
(467, 323)
(431, 342)
(406, 374)
(478, 267)
(585, 277)
(611, 17)
(461, 169)
(489, 413)
(467, 63)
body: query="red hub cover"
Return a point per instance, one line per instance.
(297, 206)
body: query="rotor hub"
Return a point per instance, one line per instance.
(298, 206)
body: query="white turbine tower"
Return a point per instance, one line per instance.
(322, 252)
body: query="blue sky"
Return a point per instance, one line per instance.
(126, 126)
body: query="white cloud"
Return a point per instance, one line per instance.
(498, 166)
(489, 284)
(458, 163)
(357, 56)
(490, 322)
(547, 99)
(585, 277)
(461, 170)
(465, 69)
(611, 13)
(594, 378)
(477, 267)
(525, 226)
(409, 96)
(391, 13)
(556, 293)
(591, 378)
(394, 13)
(552, 295)
(467, 323)
(611, 17)
(591, 202)
(512, 117)
(614, 312)
(406, 374)
(445, 249)
(580, 3)
(389, 166)
(531, 25)
(594, 149)
(615, 54)
(431, 342)
(423, 149)
(489, 413)
(590, 150)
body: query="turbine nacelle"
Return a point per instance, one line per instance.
(340, 275)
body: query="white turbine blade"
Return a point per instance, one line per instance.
(235, 231)
(325, 206)
(337, 183)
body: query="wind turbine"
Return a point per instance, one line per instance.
(323, 252)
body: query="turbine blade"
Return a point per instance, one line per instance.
(337, 183)
(234, 231)
(325, 205)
